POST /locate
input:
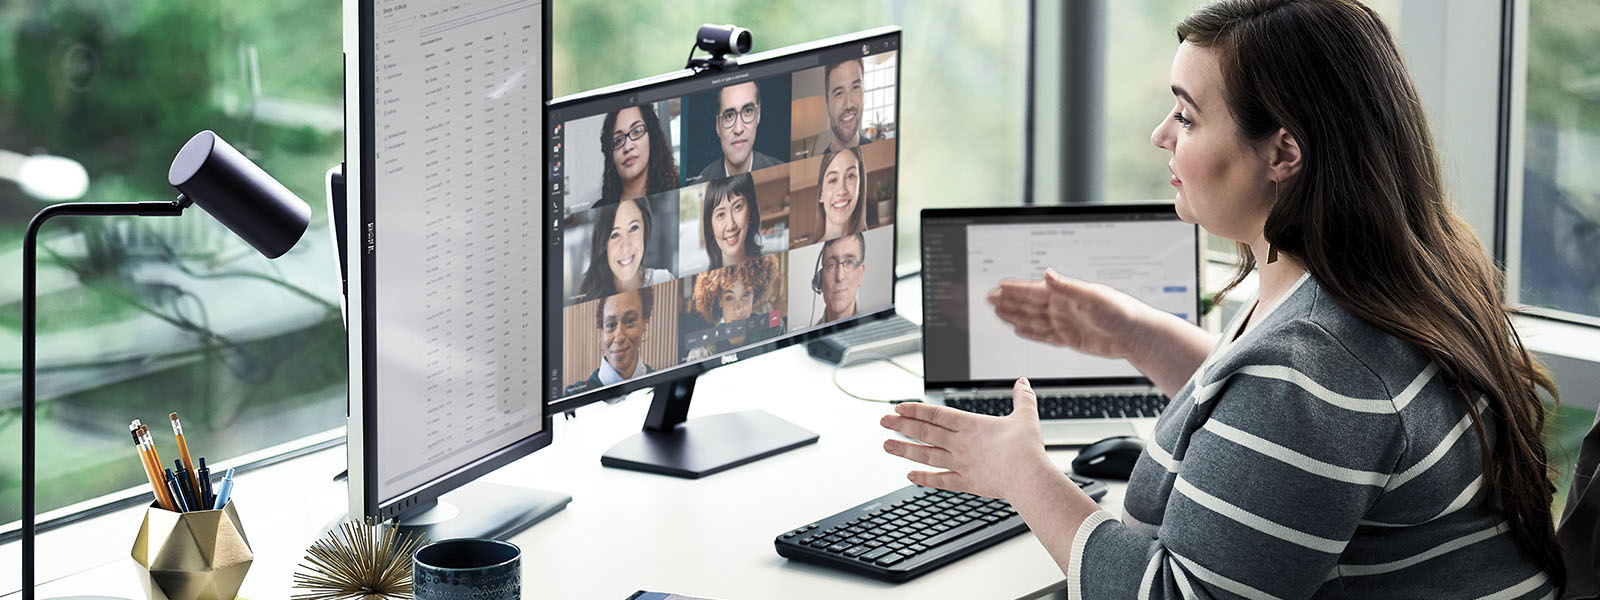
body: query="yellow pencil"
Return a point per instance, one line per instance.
(157, 484)
(183, 451)
(150, 444)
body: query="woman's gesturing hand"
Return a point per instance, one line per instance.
(980, 454)
(1087, 317)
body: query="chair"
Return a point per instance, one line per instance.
(1579, 533)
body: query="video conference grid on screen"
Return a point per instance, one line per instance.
(759, 204)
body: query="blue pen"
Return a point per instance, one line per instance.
(191, 496)
(177, 492)
(204, 474)
(224, 490)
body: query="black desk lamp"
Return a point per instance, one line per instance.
(208, 172)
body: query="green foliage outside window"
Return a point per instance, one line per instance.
(139, 317)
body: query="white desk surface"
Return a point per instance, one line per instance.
(624, 530)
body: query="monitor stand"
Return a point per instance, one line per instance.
(479, 510)
(672, 444)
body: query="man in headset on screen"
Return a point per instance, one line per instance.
(840, 269)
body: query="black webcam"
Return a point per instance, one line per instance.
(722, 42)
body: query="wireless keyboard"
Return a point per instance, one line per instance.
(909, 532)
(1077, 406)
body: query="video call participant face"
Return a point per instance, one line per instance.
(738, 116)
(844, 94)
(730, 221)
(840, 186)
(630, 147)
(839, 276)
(736, 302)
(638, 157)
(617, 249)
(625, 245)
(729, 295)
(622, 320)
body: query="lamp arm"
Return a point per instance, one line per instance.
(30, 257)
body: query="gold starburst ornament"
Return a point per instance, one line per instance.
(358, 561)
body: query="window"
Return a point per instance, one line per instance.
(1140, 44)
(139, 317)
(1559, 195)
(962, 73)
(879, 96)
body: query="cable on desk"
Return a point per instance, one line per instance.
(859, 358)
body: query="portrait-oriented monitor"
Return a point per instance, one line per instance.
(444, 166)
(697, 219)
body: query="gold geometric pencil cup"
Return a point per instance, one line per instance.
(200, 555)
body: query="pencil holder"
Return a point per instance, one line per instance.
(199, 555)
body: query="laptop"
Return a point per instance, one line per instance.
(971, 358)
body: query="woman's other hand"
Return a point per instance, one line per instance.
(1087, 317)
(989, 456)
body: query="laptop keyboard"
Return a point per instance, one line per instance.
(1069, 406)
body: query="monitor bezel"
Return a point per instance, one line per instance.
(553, 394)
(1163, 209)
(362, 402)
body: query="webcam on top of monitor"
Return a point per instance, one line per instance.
(720, 41)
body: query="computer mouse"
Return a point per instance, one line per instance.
(1110, 458)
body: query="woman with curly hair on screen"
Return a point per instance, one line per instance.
(743, 295)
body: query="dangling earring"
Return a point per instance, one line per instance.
(1272, 251)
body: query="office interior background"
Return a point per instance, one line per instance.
(142, 317)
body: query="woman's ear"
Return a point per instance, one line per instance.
(1282, 155)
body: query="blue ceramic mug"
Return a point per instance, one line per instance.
(465, 568)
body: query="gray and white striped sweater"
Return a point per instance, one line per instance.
(1314, 457)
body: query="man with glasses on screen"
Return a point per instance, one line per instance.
(840, 269)
(738, 116)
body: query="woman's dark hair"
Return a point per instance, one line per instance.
(723, 190)
(597, 279)
(661, 174)
(647, 304)
(1367, 216)
(857, 217)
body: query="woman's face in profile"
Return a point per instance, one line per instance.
(736, 302)
(841, 183)
(632, 157)
(625, 246)
(728, 223)
(1221, 180)
(622, 326)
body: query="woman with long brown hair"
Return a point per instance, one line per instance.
(1370, 426)
(638, 156)
(841, 195)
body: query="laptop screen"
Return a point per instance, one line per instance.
(1143, 250)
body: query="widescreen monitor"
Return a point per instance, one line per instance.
(444, 166)
(699, 218)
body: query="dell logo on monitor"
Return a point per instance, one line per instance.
(729, 359)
